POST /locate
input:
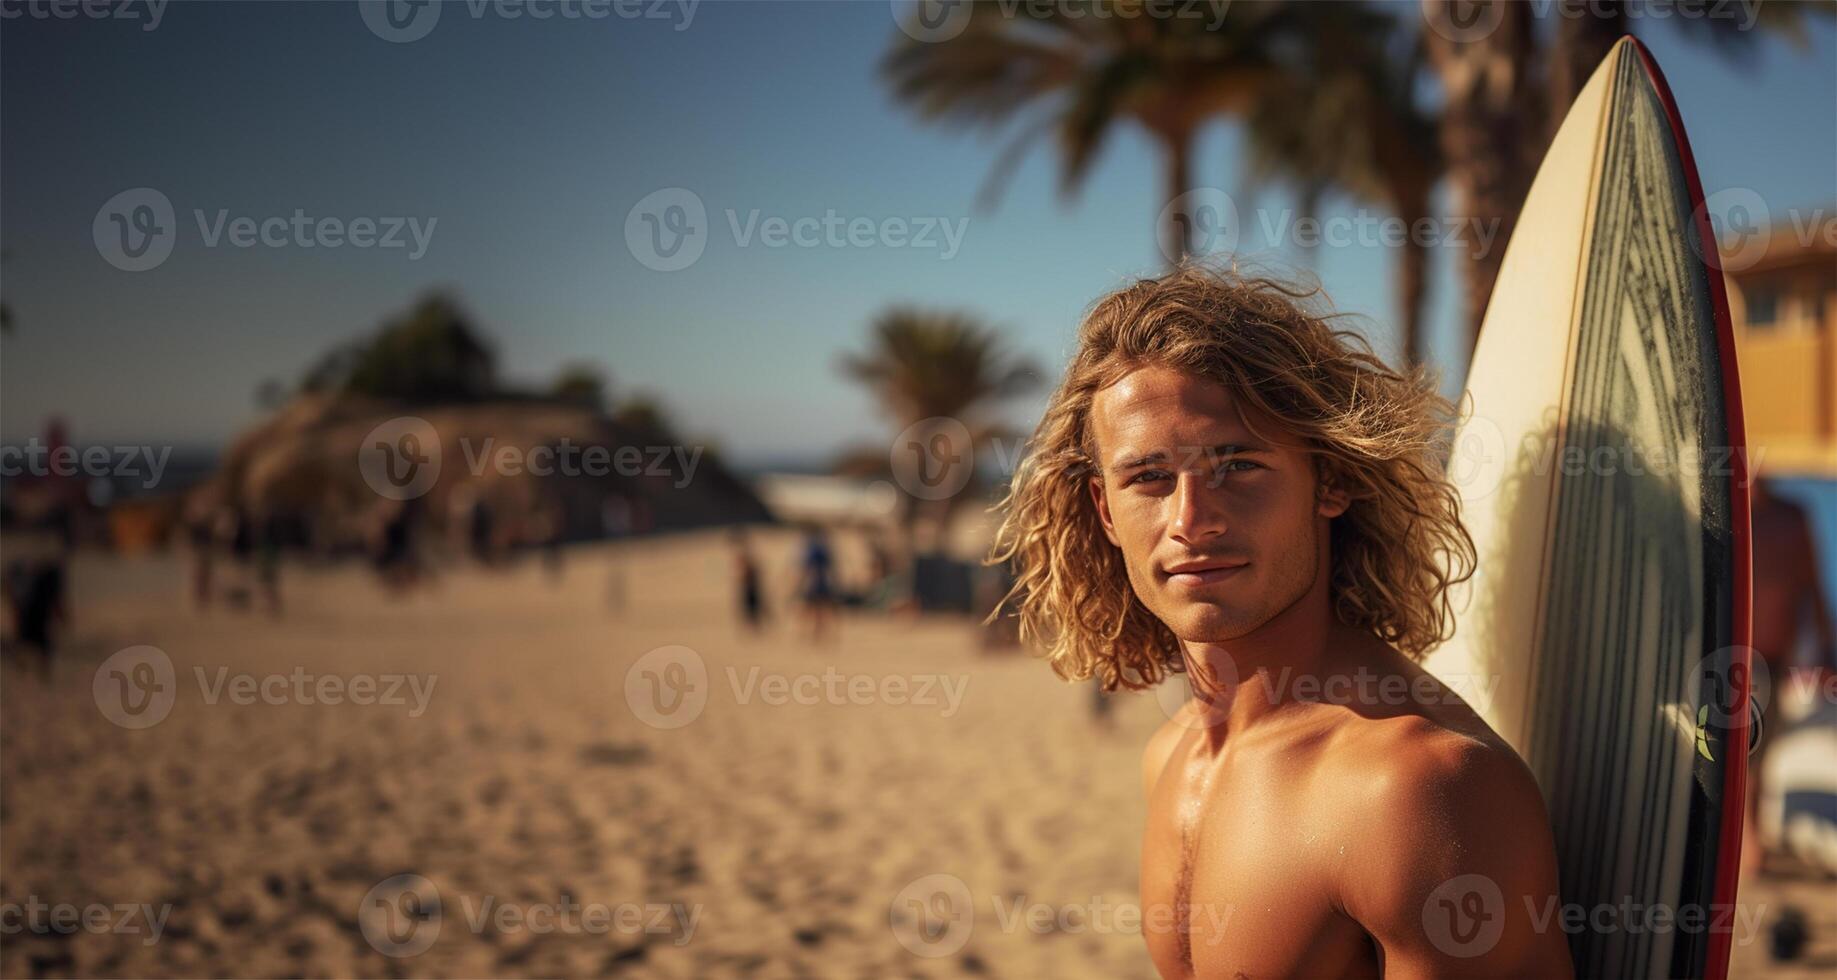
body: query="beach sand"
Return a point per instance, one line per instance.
(536, 780)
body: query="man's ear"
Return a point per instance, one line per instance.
(1330, 500)
(1102, 504)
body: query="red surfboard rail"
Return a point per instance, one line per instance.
(1734, 787)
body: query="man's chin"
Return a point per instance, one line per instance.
(1209, 622)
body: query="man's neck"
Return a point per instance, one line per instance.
(1250, 679)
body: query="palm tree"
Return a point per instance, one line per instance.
(1342, 120)
(1329, 106)
(1505, 92)
(1078, 76)
(924, 365)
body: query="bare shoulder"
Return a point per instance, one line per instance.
(1435, 804)
(1438, 768)
(1161, 747)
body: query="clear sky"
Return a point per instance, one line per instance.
(529, 142)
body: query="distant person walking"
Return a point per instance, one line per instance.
(393, 548)
(748, 578)
(35, 593)
(816, 584)
(203, 540)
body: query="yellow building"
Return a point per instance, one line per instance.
(1783, 298)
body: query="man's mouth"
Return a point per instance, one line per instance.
(1200, 573)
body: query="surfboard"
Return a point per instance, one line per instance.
(1605, 632)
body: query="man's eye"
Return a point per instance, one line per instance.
(1238, 465)
(1146, 476)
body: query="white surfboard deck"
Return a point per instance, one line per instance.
(1596, 485)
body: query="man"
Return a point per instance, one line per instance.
(1225, 486)
(1787, 592)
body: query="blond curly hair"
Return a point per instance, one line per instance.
(1378, 434)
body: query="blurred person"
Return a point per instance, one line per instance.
(393, 544)
(235, 537)
(35, 582)
(268, 534)
(203, 544)
(747, 577)
(1788, 590)
(816, 583)
(1225, 486)
(615, 524)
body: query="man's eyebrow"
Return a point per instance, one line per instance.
(1131, 461)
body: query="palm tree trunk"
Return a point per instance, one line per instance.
(1176, 236)
(1490, 124)
(1583, 39)
(1412, 289)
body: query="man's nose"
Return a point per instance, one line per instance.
(1197, 511)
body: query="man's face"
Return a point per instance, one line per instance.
(1220, 530)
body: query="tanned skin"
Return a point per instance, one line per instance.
(1786, 587)
(1297, 837)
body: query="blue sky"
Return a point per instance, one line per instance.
(528, 142)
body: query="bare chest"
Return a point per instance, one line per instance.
(1237, 871)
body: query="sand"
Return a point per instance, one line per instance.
(535, 791)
